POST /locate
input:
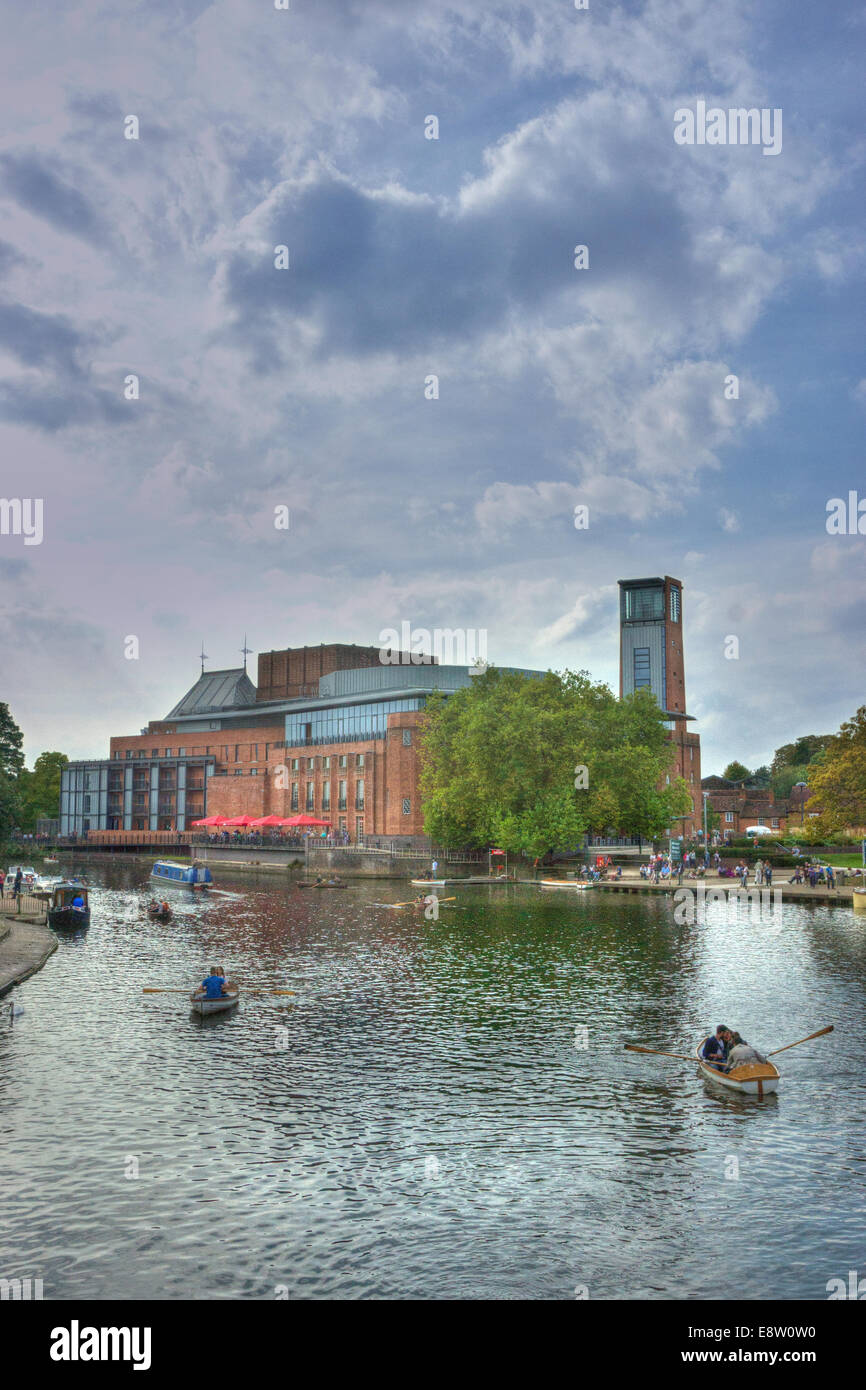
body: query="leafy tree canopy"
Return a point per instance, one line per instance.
(837, 780)
(736, 772)
(11, 744)
(531, 765)
(39, 790)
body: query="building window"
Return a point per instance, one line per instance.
(237, 752)
(294, 796)
(311, 763)
(359, 759)
(407, 738)
(644, 605)
(359, 794)
(691, 755)
(326, 796)
(407, 806)
(760, 820)
(344, 761)
(254, 772)
(295, 765)
(214, 723)
(239, 772)
(87, 803)
(311, 796)
(326, 764)
(154, 752)
(775, 822)
(129, 752)
(168, 752)
(729, 817)
(359, 828)
(181, 752)
(341, 795)
(255, 752)
(641, 667)
(675, 604)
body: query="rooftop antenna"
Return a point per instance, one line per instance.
(204, 657)
(246, 651)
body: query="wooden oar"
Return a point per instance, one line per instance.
(820, 1033)
(415, 902)
(633, 1047)
(154, 990)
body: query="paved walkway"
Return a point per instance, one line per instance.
(24, 949)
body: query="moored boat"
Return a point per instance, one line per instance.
(62, 911)
(202, 1005)
(576, 884)
(751, 1079)
(181, 875)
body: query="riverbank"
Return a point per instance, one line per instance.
(24, 948)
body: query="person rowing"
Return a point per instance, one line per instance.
(739, 1052)
(214, 985)
(714, 1049)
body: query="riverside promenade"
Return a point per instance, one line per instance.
(25, 941)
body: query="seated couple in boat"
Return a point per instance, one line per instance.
(215, 985)
(725, 1050)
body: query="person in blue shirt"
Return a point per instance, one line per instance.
(78, 902)
(715, 1047)
(214, 985)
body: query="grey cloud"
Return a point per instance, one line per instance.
(34, 185)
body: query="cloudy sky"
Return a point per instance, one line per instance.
(411, 257)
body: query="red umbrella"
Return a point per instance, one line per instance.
(211, 820)
(239, 820)
(306, 820)
(269, 821)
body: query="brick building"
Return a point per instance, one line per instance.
(651, 656)
(740, 806)
(327, 730)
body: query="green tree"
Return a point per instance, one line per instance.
(533, 764)
(736, 772)
(837, 778)
(760, 778)
(11, 744)
(40, 789)
(9, 806)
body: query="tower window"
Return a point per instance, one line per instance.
(641, 667)
(675, 605)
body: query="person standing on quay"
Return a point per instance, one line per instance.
(16, 887)
(759, 870)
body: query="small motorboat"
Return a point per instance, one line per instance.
(202, 1005)
(157, 913)
(68, 906)
(429, 882)
(751, 1079)
(328, 883)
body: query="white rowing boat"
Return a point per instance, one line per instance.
(201, 1005)
(577, 886)
(751, 1079)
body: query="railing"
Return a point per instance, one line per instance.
(34, 907)
(448, 856)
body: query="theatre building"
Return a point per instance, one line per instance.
(328, 731)
(651, 656)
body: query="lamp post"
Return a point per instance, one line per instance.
(706, 797)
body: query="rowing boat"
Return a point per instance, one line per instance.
(564, 883)
(202, 1005)
(751, 1079)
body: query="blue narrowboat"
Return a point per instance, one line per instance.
(181, 875)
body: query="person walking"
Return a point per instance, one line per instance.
(16, 887)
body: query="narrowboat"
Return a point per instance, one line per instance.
(63, 911)
(181, 875)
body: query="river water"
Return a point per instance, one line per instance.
(426, 1116)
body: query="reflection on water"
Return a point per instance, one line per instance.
(421, 1118)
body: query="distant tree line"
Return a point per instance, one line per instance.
(26, 794)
